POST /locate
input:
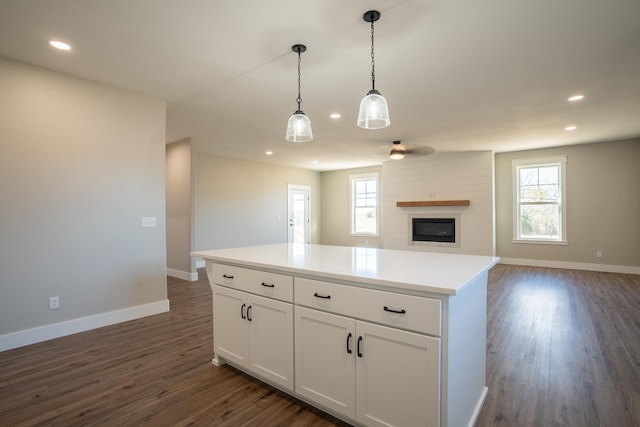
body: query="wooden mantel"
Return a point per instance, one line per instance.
(433, 203)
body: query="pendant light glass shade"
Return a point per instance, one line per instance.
(299, 125)
(374, 112)
(299, 128)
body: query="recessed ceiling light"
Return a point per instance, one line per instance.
(335, 115)
(575, 98)
(268, 153)
(570, 128)
(59, 45)
(315, 162)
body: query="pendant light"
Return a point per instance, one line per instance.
(299, 126)
(374, 112)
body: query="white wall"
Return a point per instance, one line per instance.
(441, 176)
(80, 165)
(241, 203)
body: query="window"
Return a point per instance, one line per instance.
(364, 204)
(540, 212)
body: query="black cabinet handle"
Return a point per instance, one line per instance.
(226, 276)
(348, 342)
(268, 285)
(394, 311)
(249, 314)
(358, 347)
(317, 295)
(242, 311)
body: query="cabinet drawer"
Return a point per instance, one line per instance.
(387, 308)
(271, 285)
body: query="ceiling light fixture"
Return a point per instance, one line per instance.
(59, 45)
(335, 115)
(299, 125)
(374, 111)
(570, 128)
(397, 152)
(575, 98)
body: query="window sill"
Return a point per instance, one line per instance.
(364, 235)
(542, 242)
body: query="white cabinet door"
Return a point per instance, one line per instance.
(271, 339)
(397, 376)
(324, 359)
(230, 329)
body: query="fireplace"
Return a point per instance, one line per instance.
(435, 229)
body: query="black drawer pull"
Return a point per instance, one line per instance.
(317, 295)
(358, 349)
(249, 318)
(394, 311)
(242, 311)
(268, 285)
(349, 342)
(226, 276)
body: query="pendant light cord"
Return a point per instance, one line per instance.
(373, 62)
(299, 99)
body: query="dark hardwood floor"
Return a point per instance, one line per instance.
(563, 349)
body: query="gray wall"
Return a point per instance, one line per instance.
(80, 165)
(603, 205)
(179, 208)
(241, 203)
(336, 209)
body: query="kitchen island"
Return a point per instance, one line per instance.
(372, 336)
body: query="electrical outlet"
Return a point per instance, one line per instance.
(598, 254)
(54, 303)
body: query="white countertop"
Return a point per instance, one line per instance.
(412, 270)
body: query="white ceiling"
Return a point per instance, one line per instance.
(458, 74)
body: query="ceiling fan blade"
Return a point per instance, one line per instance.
(420, 151)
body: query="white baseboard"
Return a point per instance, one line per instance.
(57, 330)
(571, 265)
(184, 275)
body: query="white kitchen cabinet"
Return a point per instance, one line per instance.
(397, 377)
(255, 333)
(417, 319)
(324, 359)
(377, 375)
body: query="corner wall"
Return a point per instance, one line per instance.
(179, 181)
(241, 203)
(81, 164)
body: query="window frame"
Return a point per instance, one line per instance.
(516, 166)
(364, 177)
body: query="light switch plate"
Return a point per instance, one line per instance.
(148, 221)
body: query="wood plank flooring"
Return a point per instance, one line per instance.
(563, 350)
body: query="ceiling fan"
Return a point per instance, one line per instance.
(399, 151)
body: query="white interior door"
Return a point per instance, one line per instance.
(298, 213)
